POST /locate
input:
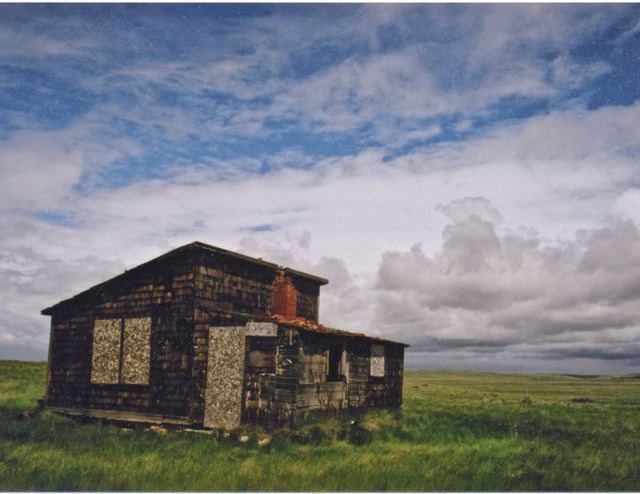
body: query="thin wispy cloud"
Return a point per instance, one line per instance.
(465, 175)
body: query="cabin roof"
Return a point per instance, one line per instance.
(217, 250)
(102, 290)
(314, 327)
(298, 323)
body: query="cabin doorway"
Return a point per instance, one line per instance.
(225, 372)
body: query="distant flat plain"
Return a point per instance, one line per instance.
(457, 431)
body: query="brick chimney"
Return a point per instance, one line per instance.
(284, 297)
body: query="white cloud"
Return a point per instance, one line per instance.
(461, 209)
(34, 37)
(627, 206)
(38, 172)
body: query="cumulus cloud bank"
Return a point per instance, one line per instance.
(500, 298)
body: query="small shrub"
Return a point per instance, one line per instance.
(316, 435)
(358, 435)
(581, 400)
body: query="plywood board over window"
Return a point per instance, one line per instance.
(377, 361)
(121, 351)
(105, 362)
(136, 351)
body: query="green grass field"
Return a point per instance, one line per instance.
(457, 431)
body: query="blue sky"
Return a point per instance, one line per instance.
(466, 175)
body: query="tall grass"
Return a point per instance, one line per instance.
(457, 431)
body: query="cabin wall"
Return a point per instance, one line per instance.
(70, 360)
(272, 378)
(163, 302)
(225, 284)
(358, 353)
(321, 388)
(307, 300)
(259, 378)
(233, 285)
(386, 391)
(293, 376)
(286, 380)
(236, 286)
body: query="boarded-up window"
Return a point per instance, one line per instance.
(377, 361)
(136, 351)
(105, 363)
(121, 351)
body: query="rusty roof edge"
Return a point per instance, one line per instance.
(301, 324)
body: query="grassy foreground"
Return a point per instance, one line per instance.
(457, 431)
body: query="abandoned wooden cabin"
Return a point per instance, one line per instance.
(205, 337)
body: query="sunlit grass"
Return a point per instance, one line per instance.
(457, 431)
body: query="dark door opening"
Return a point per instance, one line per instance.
(335, 362)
